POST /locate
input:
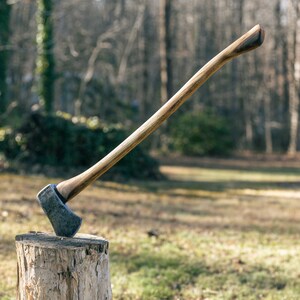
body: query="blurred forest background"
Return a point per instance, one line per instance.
(109, 65)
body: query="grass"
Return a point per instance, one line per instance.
(205, 233)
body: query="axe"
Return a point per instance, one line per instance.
(53, 198)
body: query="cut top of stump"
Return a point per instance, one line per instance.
(53, 267)
(45, 240)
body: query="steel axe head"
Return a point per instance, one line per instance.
(64, 221)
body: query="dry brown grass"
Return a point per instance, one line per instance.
(222, 233)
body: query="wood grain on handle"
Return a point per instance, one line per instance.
(249, 41)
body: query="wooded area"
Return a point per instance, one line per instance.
(120, 60)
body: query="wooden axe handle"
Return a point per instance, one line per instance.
(249, 41)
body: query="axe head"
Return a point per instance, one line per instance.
(64, 221)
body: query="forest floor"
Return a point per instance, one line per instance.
(227, 229)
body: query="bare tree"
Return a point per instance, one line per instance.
(163, 50)
(45, 62)
(5, 9)
(293, 56)
(102, 43)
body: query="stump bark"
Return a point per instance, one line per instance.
(56, 268)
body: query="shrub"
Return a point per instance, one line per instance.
(202, 133)
(62, 141)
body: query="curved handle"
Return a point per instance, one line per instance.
(249, 41)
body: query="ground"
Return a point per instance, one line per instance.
(213, 229)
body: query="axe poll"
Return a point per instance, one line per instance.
(53, 198)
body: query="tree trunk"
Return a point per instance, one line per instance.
(165, 61)
(294, 82)
(162, 52)
(45, 56)
(168, 44)
(5, 9)
(268, 127)
(51, 267)
(144, 109)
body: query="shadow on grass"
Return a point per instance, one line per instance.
(157, 276)
(210, 186)
(161, 276)
(216, 186)
(267, 164)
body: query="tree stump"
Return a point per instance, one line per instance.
(57, 268)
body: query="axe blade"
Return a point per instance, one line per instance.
(64, 222)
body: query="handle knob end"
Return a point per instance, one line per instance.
(253, 39)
